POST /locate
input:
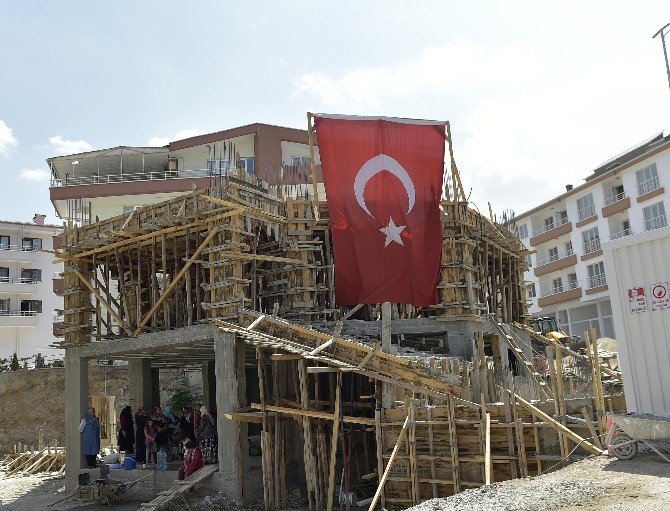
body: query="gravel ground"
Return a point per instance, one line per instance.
(596, 483)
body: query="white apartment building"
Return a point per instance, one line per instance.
(567, 276)
(105, 183)
(28, 279)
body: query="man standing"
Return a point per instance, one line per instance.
(90, 442)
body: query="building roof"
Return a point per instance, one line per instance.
(625, 160)
(32, 225)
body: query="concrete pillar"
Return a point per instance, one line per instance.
(209, 385)
(155, 387)
(76, 407)
(230, 398)
(139, 378)
(388, 390)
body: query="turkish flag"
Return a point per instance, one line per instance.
(383, 180)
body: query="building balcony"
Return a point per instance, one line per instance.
(17, 285)
(597, 284)
(555, 263)
(551, 232)
(621, 234)
(18, 318)
(616, 204)
(649, 189)
(656, 223)
(592, 249)
(586, 215)
(17, 253)
(560, 294)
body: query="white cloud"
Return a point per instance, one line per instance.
(7, 139)
(161, 141)
(61, 146)
(525, 122)
(34, 175)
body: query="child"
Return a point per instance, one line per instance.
(150, 432)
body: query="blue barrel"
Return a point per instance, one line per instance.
(129, 462)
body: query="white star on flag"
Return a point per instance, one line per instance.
(392, 232)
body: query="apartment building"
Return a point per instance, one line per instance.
(567, 276)
(105, 183)
(28, 281)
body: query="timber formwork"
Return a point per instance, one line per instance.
(258, 266)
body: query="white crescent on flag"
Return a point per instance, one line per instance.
(374, 166)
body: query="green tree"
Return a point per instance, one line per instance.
(183, 395)
(14, 365)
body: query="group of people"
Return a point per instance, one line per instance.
(190, 435)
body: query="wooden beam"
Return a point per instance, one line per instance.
(176, 280)
(333, 444)
(315, 414)
(102, 301)
(385, 475)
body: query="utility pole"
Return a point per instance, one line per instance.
(663, 32)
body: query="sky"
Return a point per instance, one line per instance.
(538, 93)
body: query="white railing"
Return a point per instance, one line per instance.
(591, 246)
(140, 176)
(649, 185)
(621, 234)
(18, 248)
(655, 223)
(17, 313)
(597, 281)
(560, 289)
(586, 212)
(554, 258)
(551, 227)
(615, 198)
(18, 280)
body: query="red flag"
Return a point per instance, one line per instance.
(383, 180)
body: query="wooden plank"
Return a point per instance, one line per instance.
(385, 475)
(487, 451)
(333, 444)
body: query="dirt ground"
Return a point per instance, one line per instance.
(596, 483)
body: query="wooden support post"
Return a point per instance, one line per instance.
(308, 444)
(266, 449)
(384, 477)
(560, 397)
(453, 445)
(333, 443)
(487, 451)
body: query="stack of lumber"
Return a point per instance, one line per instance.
(49, 459)
(178, 488)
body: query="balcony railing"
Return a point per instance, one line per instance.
(655, 223)
(131, 178)
(649, 185)
(560, 289)
(554, 258)
(586, 212)
(621, 234)
(597, 281)
(615, 198)
(552, 226)
(17, 313)
(592, 246)
(18, 280)
(18, 248)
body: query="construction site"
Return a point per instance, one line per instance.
(375, 405)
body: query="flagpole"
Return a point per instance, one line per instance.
(315, 188)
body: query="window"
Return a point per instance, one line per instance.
(585, 207)
(4, 274)
(31, 244)
(553, 254)
(219, 166)
(247, 164)
(647, 179)
(572, 280)
(654, 216)
(568, 248)
(31, 275)
(562, 217)
(301, 161)
(617, 190)
(591, 239)
(4, 304)
(530, 290)
(31, 306)
(596, 274)
(523, 231)
(558, 285)
(529, 260)
(549, 223)
(4, 242)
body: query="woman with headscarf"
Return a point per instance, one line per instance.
(207, 435)
(126, 431)
(90, 437)
(192, 460)
(140, 421)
